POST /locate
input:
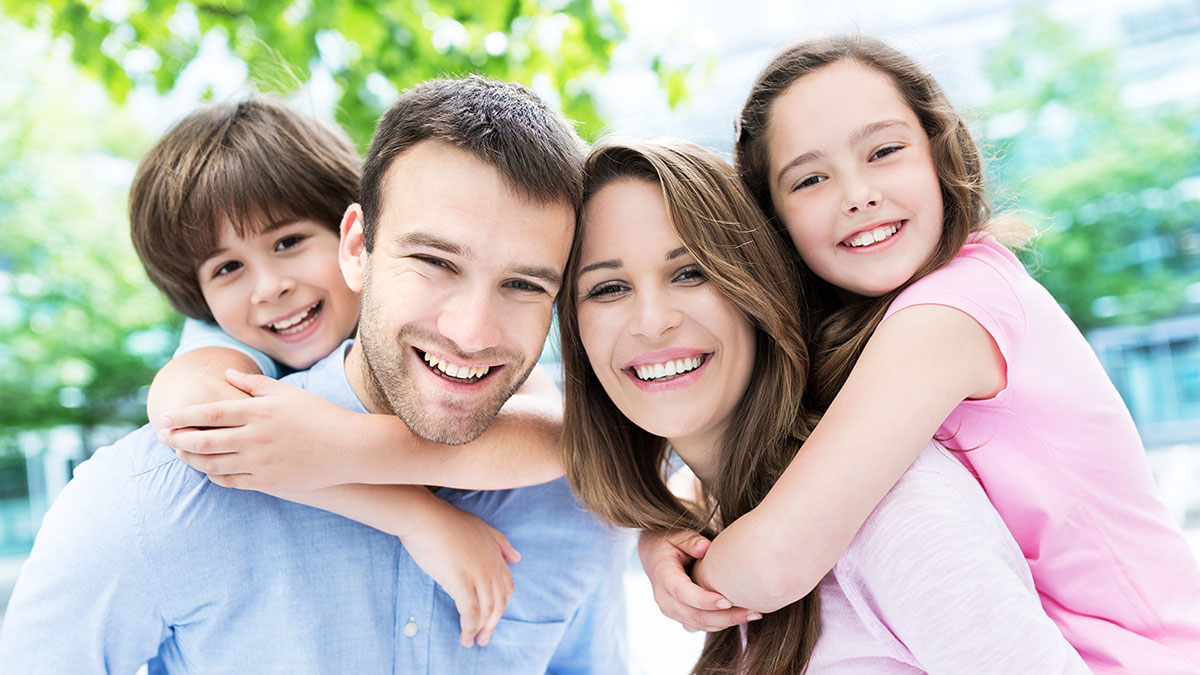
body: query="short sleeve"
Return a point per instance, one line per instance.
(935, 566)
(85, 601)
(980, 282)
(199, 334)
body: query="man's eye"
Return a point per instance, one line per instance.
(227, 268)
(523, 285)
(288, 242)
(885, 151)
(436, 262)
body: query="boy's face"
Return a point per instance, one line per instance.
(280, 291)
(457, 293)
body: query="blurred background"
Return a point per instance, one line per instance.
(1088, 112)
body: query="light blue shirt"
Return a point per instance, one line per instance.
(197, 334)
(142, 559)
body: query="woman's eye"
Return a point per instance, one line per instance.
(885, 151)
(288, 242)
(227, 268)
(692, 273)
(607, 289)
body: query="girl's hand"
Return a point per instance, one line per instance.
(282, 438)
(468, 559)
(664, 557)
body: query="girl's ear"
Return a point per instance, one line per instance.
(352, 255)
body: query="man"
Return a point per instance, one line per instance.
(467, 204)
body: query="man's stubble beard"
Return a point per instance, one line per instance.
(386, 372)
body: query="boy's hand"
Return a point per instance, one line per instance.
(282, 438)
(467, 558)
(664, 557)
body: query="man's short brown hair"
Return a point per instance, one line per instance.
(503, 124)
(250, 164)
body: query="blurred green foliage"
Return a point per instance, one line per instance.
(371, 49)
(1122, 243)
(81, 330)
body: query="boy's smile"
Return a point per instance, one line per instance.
(280, 291)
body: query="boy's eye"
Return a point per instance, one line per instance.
(227, 268)
(885, 151)
(605, 290)
(288, 242)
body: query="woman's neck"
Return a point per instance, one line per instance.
(701, 452)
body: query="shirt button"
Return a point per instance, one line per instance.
(410, 628)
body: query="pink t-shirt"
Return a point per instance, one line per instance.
(934, 583)
(1061, 460)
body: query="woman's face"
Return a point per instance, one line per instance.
(672, 352)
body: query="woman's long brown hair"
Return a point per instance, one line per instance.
(844, 330)
(618, 469)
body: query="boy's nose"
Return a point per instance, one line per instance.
(270, 286)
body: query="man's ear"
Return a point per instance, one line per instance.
(352, 255)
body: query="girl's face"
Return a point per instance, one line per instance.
(852, 178)
(672, 352)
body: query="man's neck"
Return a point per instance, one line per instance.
(363, 383)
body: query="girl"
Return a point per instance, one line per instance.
(930, 327)
(680, 332)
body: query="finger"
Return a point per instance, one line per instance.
(236, 481)
(693, 544)
(217, 441)
(501, 592)
(206, 415)
(468, 618)
(710, 622)
(213, 465)
(506, 549)
(251, 383)
(676, 584)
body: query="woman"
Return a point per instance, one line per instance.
(680, 333)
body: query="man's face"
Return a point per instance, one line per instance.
(456, 296)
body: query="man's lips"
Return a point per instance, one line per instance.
(459, 372)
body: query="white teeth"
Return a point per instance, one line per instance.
(453, 370)
(872, 236)
(667, 368)
(294, 321)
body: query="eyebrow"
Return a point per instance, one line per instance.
(430, 240)
(615, 264)
(855, 139)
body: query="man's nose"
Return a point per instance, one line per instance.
(470, 321)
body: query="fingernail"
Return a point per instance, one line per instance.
(162, 435)
(753, 616)
(163, 423)
(231, 373)
(724, 604)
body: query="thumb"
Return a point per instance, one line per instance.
(251, 383)
(506, 549)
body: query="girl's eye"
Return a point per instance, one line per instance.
(288, 242)
(604, 290)
(692, 273)
(885, 151)
(226, 268)
(809, 181)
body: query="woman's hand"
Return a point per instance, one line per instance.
(665, 557)
(282, 438)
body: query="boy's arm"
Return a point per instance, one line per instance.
(195, 377)
(461, 552)
(284, 438)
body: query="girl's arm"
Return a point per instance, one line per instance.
(917, 367)
(285, 438)
(462, 553)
